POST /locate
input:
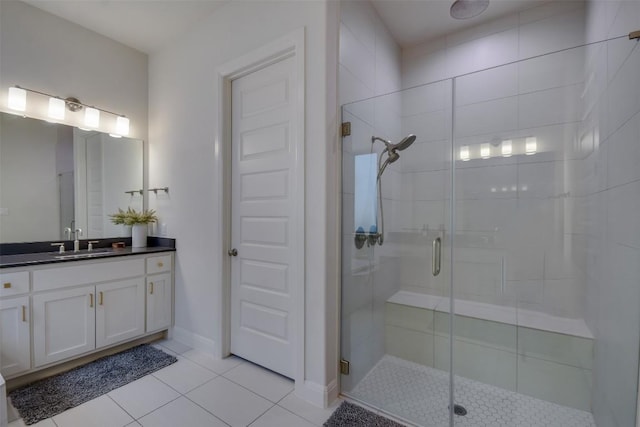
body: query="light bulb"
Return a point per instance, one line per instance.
(530, 145)
(17, 99)
(507, 148)
(485, 151)
(56, 108)
(122, 126)
(464, 153)
(91, 117)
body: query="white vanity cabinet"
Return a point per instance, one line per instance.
(63, 324)
(119, 311)
(159, 292)
(15, 313)
(15, 348)
(74, 308)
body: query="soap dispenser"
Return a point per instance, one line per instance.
(76, 242)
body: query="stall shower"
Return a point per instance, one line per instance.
(490, 302)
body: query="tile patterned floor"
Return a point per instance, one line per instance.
(420, 395)
(196, 391)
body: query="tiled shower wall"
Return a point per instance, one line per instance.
(609, 211)
(582, 191)
(369, 66)
(512, 213)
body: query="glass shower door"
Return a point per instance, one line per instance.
(513, 208)
(530, 172)
(396, 225)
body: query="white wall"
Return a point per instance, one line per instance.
(610, 185)
(43, 52)
(369, 66)
(182, 153)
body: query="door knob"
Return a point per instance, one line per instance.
(233, 252)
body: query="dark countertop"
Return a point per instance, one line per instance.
(9, 258)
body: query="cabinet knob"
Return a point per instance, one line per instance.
(160, 264)
(6, 285)
(233, 252)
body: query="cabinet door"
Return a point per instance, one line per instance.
(63, 324)
(159, 297)
(119, 311)
(15, 352)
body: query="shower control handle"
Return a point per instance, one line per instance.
(436, 256)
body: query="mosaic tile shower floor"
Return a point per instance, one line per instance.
(420, 394)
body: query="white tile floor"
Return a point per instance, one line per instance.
(197, 390)
(420, 395)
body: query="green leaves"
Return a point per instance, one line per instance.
(131, 216)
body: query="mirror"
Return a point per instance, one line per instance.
(54, 176)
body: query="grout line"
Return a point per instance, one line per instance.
(205, 409)
(260, 416)
(161, 406)
(298, 415)
(118, 405)
(254, 392)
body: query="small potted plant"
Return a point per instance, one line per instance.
(139, 222)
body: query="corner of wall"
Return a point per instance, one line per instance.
(193, 340)
(316, 394)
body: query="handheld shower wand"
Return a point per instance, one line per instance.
(392, 156)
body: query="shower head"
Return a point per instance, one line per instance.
(403, 144)
(392, 157)
(392, 150)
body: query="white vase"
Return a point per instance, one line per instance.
(139, 236)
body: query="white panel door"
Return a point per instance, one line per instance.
(15, 354)
(119, 311)
(63, 324)
(263, 217)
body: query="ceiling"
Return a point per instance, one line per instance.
(148, 25)
(145, 25)
(412, 22)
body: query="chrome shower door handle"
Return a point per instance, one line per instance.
(436, 256)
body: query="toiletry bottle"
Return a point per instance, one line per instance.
(76, 242)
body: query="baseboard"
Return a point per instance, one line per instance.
(194, 340)
(316, 394)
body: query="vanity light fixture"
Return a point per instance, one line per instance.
(91, 117)
(17, 101)
(56, 108)
(485, 151)
(530, 145)
(507, 148)
(122, 126)
(464, 153)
